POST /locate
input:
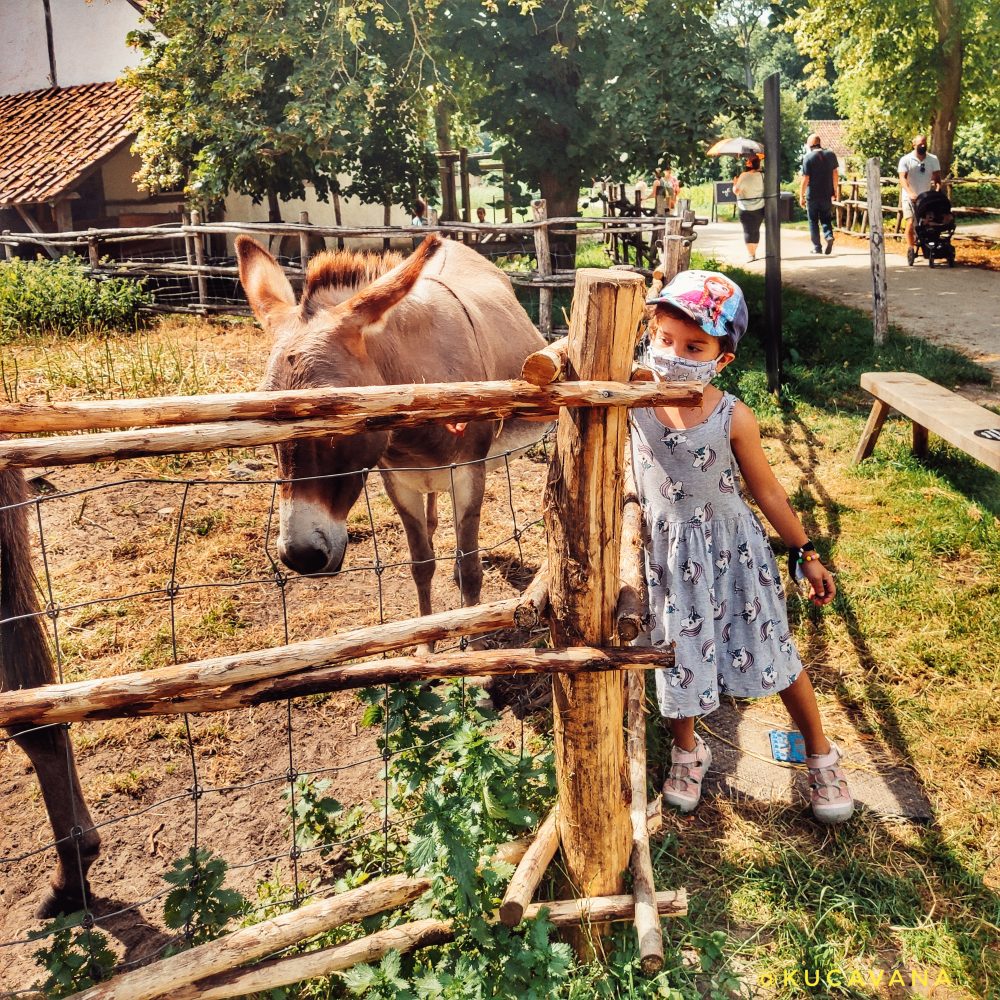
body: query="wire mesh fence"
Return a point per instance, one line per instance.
(152, 571)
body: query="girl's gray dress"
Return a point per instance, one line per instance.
(714, 586)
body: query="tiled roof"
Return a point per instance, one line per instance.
(50, 138)
(831, 133)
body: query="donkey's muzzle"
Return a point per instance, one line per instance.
(314, 557)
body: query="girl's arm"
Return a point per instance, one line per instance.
(773, 500)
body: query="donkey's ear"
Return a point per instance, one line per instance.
(371, 305)
(267, 289)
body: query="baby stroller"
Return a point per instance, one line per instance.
(934, 225)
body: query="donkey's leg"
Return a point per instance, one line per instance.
(432, 516)
(410, 505)
(470, 485)
(77, 842)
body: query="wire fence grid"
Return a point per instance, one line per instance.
(196, 789)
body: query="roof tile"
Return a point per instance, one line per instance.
(50, 138)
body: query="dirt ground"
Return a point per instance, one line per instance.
(110, 554)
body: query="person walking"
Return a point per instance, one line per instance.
(749, 190)
(919, 171)
(818, 190)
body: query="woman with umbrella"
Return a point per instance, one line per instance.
(748, 188)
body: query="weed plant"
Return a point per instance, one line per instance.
(58, 296)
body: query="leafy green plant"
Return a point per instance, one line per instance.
(58, 296)
(75, 957)
(199, 904)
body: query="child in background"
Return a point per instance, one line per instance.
(714, 586)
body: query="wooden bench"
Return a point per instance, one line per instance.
(931, 407)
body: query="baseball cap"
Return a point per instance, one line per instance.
(712, 300)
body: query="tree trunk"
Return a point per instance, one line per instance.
(948, 22)
(561, 191)
(273, 206)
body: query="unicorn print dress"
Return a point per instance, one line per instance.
(714, 587)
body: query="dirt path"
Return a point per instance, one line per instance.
(958, 307)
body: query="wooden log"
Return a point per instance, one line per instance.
(132, 695)
(583, 510)
(654, 815)
(544, 267)
(120, 445)
(304, 241)
(869, 436)
(200, 676)
(647, 921)
(353, 405)
(406, 937)
(529, 872)
(632, 606)
(547, 365)
(93, 253)
(880, 288)
(250, 943)
(198, 243)
(534, 600)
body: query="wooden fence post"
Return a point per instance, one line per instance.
(463, 177)
(199, 258)
(8, 250)
(304, 241)
(540, 214)
(93, 252)
(583, 517)
(880, 300)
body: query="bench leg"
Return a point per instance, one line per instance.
(872, 430)
(919, 440)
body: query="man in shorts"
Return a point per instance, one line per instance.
(919, 171)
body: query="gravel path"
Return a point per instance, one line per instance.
(958, 307)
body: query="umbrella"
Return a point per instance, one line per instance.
(736, 147)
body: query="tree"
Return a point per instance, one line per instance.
(262, 96)
(569, 89)
(912, 62)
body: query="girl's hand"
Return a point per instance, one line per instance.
(822, 589)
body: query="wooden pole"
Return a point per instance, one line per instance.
(336, 218)
(583, 501)
(544, 263)
(93, 253)
(508, 201)
(647, 921)
(303, 241)
(463, 176)
(535, 599)
(547, 365)
(880, 288)
(265, 938)
(131, 695)
(529, 872)
(772, 223)
(406, 937)
(198, 241)
(632, 607)
(189, 250)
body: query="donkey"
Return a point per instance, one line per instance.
(444, 314)
(25, 662)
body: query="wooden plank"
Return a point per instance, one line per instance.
(871, 432)
(938, 410)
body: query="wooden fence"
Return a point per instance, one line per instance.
(192, 270)
(593, 587)
(851, 208)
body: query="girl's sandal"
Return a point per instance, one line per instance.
(829, 795)
(682, 789)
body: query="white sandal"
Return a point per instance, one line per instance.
(829, 795)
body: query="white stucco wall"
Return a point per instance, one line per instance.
(24, 54)
(240, 208)
(89, 39)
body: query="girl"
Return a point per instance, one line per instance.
(714, 586)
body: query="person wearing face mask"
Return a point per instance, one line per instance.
(715, 591)
(919, 171)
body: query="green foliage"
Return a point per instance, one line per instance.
(261, 96)
(200, 904)
(75, 957)
(57, 296)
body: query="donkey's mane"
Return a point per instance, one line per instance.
(346, 269)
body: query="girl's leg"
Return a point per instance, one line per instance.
(800, 700)
(682, 731)
(752, 250)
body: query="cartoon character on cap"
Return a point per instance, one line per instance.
(714, 302)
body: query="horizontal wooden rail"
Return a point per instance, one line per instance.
(138, 694)
(251, 419)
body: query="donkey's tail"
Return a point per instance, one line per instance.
(25, 660)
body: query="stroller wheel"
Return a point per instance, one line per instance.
(911, 255)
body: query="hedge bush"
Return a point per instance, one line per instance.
(57, 296)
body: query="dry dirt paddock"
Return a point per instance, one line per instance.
(114, 537)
